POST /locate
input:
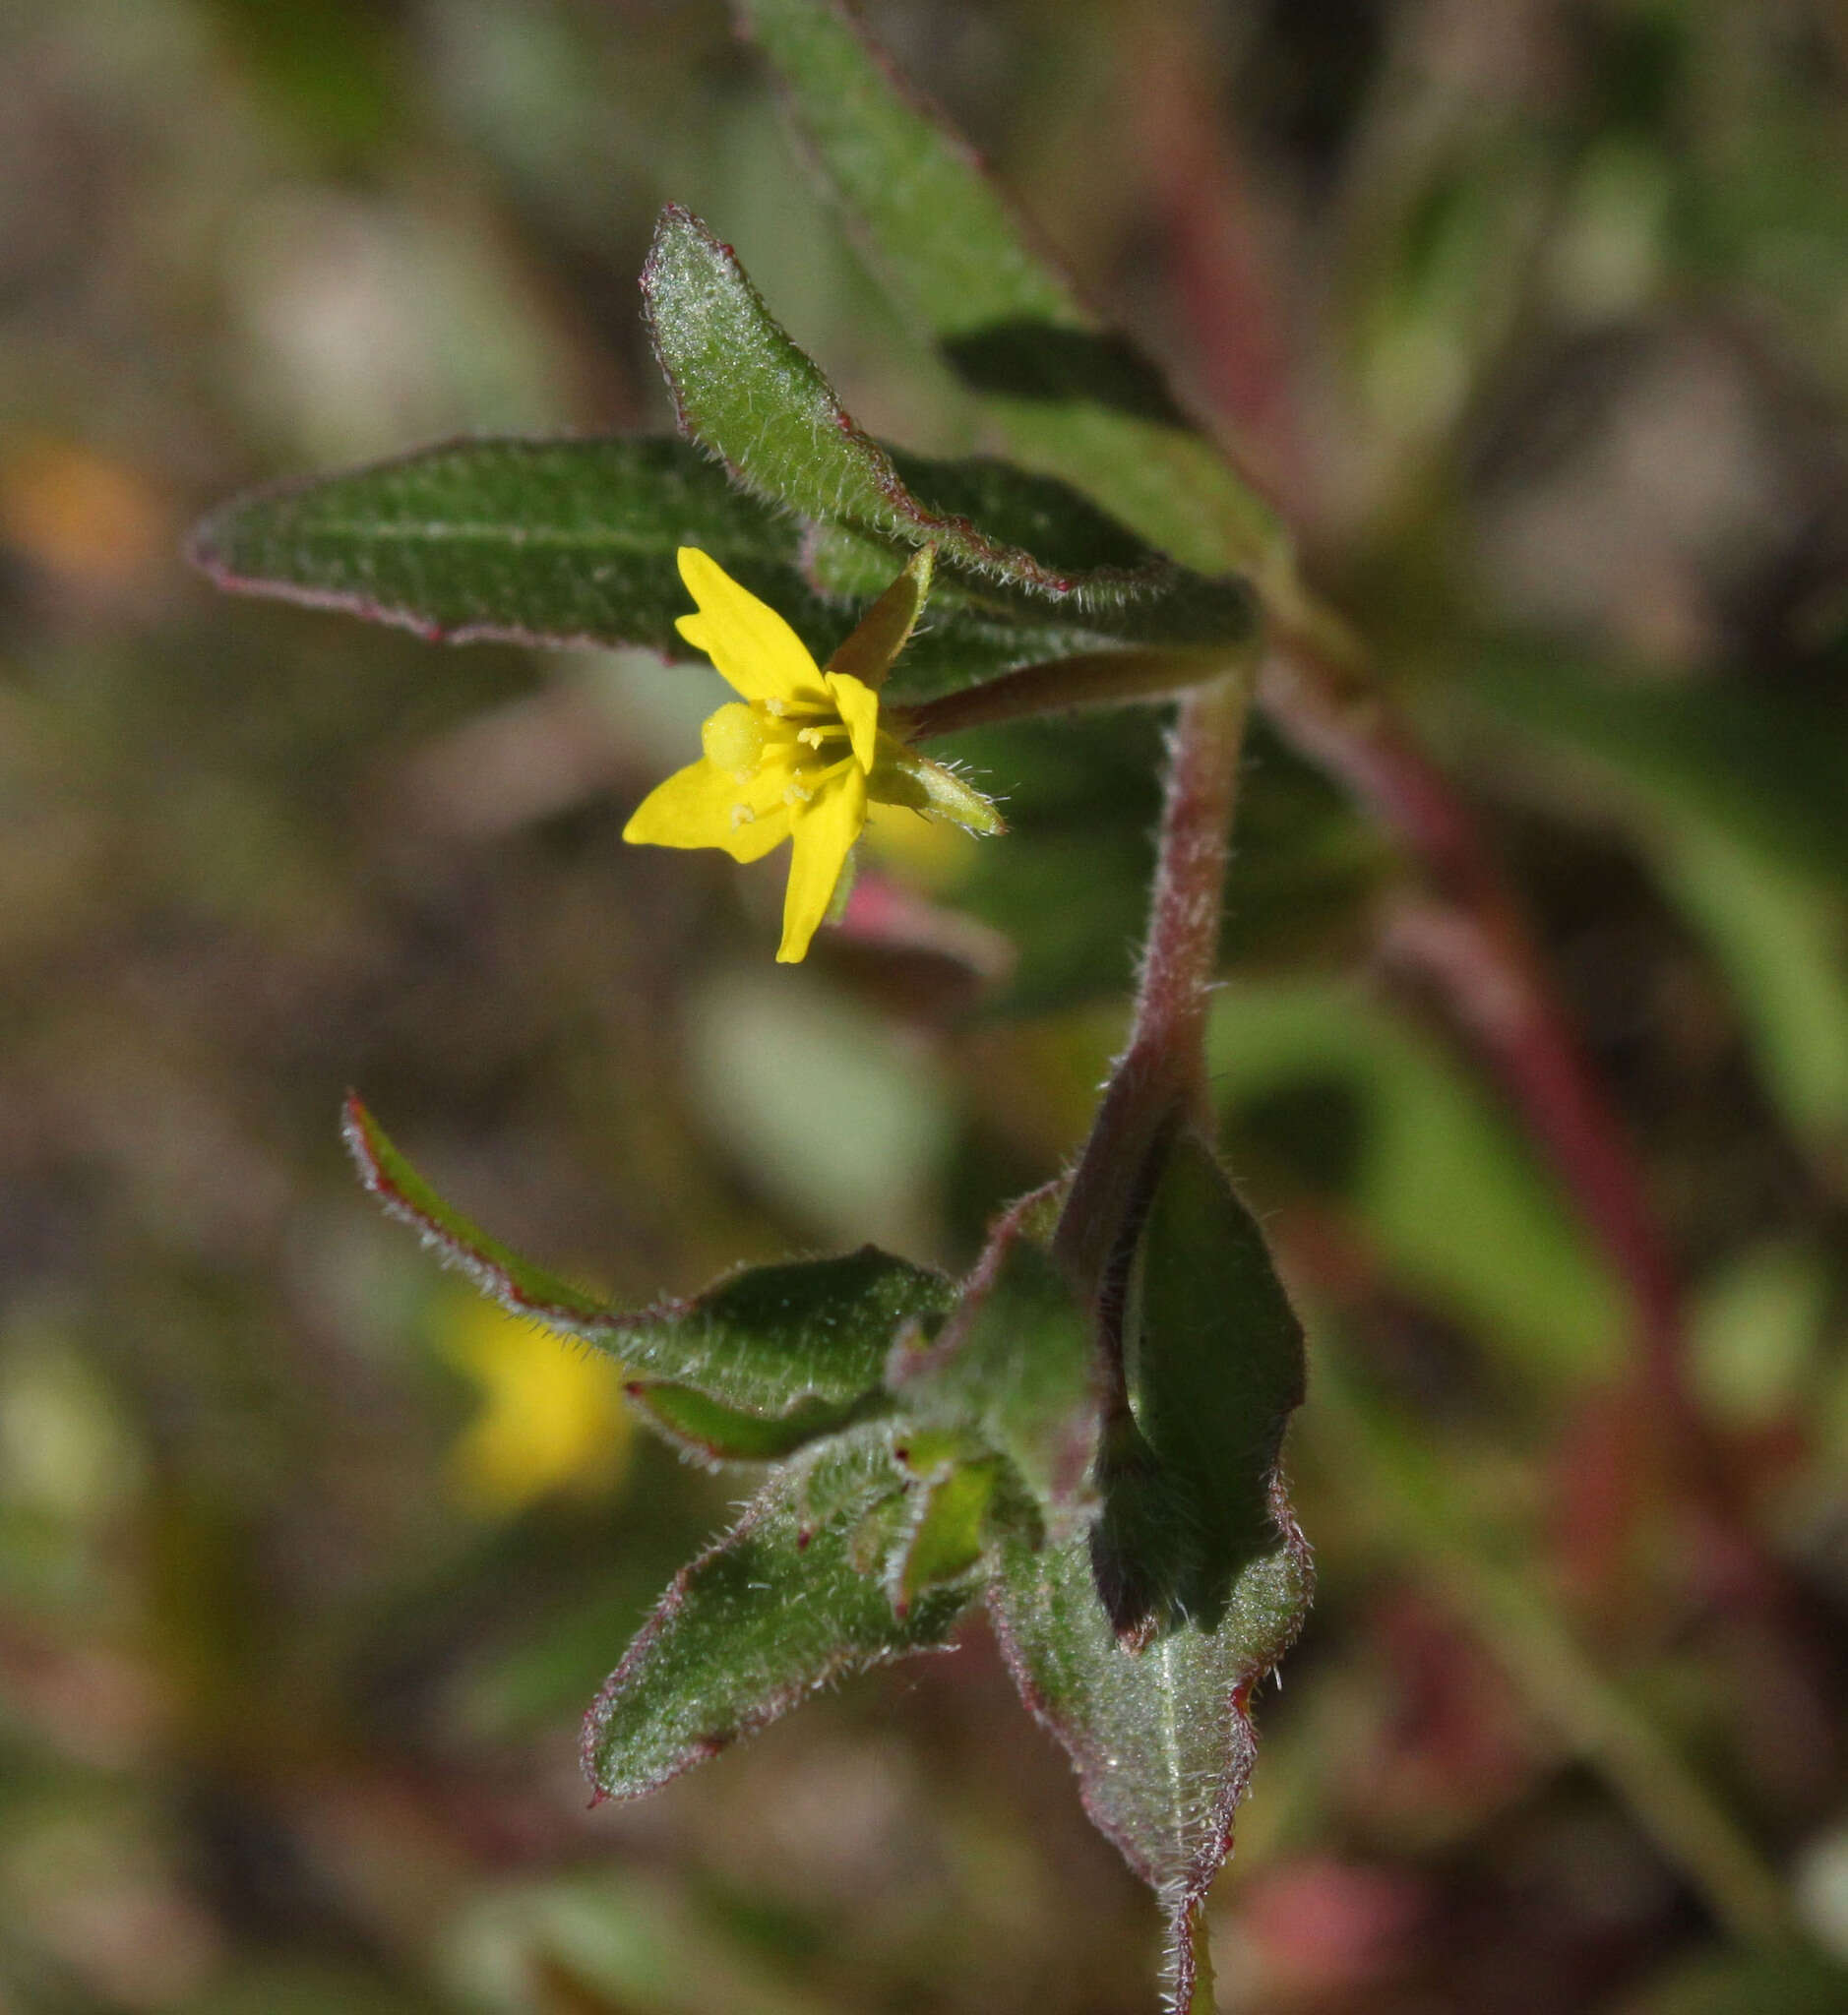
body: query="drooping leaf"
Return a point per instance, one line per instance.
(776, 1342)
(748, 394)
(791, 1598)
(1213, 1365)
(1071, 398)
(1137, 1642)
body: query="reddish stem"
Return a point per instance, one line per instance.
(1478, 947)
(1161, 1076)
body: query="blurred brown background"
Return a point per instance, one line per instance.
(1534, 313)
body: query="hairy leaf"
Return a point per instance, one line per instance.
(562, 542)
(1070, 397)
(531, 541)
(777, 1342)
(1213, 1365)
(781, 1605)
(711, 1431)
(750, 395)
(515, 1283)
(1162, 1738)
(1138, 1643)
(1014, 1364)
(947, 1533)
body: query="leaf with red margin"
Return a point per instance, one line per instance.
(1152, 1705)
(777, 1342)
(790, 1599)
(498, 1271)
(750, 395)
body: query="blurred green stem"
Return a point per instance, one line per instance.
(1382, 1469)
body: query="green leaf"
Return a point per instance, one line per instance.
(572, 542)
(746, 391)
(1446, 1192)
(1740, 800)
(781, 1605)
(1138, 1643)
(533, 542)
(947, 1535)
(498, 1271)
(772, 1339)
(1161, 1738)
(777, 1342)
(1213, 1364)
(712, 1433)
(1015, 1365)
(1071, 398)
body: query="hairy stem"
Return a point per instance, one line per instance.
(1161, 1076)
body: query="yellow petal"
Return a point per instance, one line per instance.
(752, 645)
(699, 806)
(825, 833)
(858, 706)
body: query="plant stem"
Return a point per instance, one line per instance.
(1161, 1076)
(1067, 685)
(1398, 1478)
(1478, 948)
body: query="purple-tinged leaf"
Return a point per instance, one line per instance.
(964, 270)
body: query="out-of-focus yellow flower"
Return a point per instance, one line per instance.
(800, 752)
(552, 1415)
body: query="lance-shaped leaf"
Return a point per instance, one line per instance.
(791, 1598)
(800, 1346)
(574, 542)
(1214, 1367)
(752, 397)
(1155, 1719)
(710, 1433)
(496, 1269)
(531, 542)
(1070, 397)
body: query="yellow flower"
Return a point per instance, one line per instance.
(551, 1418)
(800, 751)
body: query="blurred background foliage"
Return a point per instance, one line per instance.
(1534, 313)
